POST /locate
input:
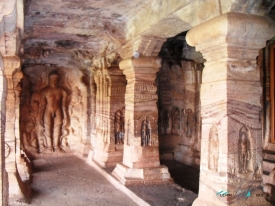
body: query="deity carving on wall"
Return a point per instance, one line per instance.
(76, 114)
(176, 121)
(29, 136)
(146, 133)
(188, 122)
(163, 121)
(119, 127)
(213, 157)
(244, 146)
(53, 114)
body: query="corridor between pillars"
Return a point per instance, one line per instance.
(141, 147)
(231, 144)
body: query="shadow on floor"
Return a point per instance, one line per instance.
(185, 176)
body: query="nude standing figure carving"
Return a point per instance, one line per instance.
(53, 113)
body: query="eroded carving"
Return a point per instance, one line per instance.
(119, 127)
(163, 121)
(188, 122)
(176, 121)
(29, 136)
(146, 133)
(213, 152)
(244, 149)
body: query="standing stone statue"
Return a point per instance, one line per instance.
(53, 113)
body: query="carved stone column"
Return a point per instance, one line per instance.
(13, 76)
(109, 151)
(141, 147)
(231, 147)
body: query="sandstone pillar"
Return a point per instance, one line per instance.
(111, 83)
(231, 144)
(141, 147)
(12, 76)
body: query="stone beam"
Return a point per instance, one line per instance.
(231, 143)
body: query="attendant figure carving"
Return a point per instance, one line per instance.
(244, 153)
(190, 122)
(146, 133)
(213, 157)
(164, 121)
(176, 121)
(119, 127)
(29, 136)
(53, 113)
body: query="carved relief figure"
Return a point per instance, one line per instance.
(146, 133)
(164, 121)
(244, 151)
(257, 174)
(188, 122)
(176, 121)
(76, 105)
(29, 136)
(76, 129)
(53, 113)
(119, 127)
(213, 151)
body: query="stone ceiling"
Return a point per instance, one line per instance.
(72, 33)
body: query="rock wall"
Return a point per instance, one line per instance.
(179, 110)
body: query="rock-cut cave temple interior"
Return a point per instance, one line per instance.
(137, 87)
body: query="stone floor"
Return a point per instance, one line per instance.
(67, 180)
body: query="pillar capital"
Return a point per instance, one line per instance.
(147, 65)
(244, 30)
(10, 64)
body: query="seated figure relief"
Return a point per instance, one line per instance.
(53, 113)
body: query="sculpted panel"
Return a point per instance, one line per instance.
(52, 110)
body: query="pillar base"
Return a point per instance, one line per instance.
(109, 157)
(130, 176)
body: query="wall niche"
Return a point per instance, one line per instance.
(53, 110)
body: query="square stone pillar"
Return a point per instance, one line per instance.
(109, 149)
(141, 147)
(231, 143)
